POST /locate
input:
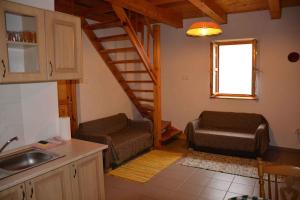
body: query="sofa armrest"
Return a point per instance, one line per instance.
(190, 130)
(262, 138)
(142, 124)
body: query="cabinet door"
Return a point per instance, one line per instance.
(14, 193)
(22, 43)
(64, 50)
(88, 180)
(54, 185)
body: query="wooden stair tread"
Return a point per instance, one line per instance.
(113, 38)
(116, 50)
(165, 124)
(145, 99)
(105, 24)
(138, 90)
(147, 107)
(139, 81)
(134, 71)
(124, 61)
(170, 133)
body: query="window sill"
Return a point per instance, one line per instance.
(234, 97)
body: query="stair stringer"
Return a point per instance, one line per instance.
(108, 61)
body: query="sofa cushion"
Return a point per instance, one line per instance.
(225, 140)
(104, 126)
(129, 142)
(226, 133)
(229, 121)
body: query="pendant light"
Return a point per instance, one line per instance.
(204, 29)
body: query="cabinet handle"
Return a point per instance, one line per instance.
(4, 68)
(23, 193)
(31, 193)
(75, 173)
(51, 69)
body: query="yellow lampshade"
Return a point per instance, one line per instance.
(203, 29)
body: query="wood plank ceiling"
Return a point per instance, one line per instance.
(170, 12)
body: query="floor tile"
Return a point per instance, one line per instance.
(208, 173)
(230, 195)
(212, 194)
(157, 193)
(193, 189)
(198, 179)
(116, 182)
(164, 182)
(224, 177)
(241, 189)
(219, 184)
(122, 194)
(178, 173)
(184, 196)
(244, 180)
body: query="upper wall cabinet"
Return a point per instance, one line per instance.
(38, 45)
(22, 43)
(64, 54)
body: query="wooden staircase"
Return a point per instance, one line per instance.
(138, 75)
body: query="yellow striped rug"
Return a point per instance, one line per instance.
(143, 168)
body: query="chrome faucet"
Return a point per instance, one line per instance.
(8, 142)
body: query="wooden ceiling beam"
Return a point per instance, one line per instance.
(275, 9)
(96, 10)
(74, 9)
(163, 2)
(147, 9)
(89, 3)
(211, 9)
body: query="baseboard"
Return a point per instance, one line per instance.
(290, 150)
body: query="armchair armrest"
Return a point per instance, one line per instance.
(190, 130)
(195, 123)
(142, 124)
(262, 138)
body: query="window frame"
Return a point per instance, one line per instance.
(214, 68)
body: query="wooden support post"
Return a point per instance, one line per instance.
(275, 9)
(157, 88)
(261, 178)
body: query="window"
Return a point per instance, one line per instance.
(233, 66)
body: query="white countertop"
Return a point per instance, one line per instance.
(73, 150)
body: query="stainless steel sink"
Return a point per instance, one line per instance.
(15, 163)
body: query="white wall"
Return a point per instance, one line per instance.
(185, 73)
(11, 118)
(39, 111)
(99, 93)
(29, 111)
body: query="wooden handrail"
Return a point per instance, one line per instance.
(134, 39)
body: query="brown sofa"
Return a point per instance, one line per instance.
(125, 137)
(246, 133)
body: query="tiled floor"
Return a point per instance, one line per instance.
(179, 182)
